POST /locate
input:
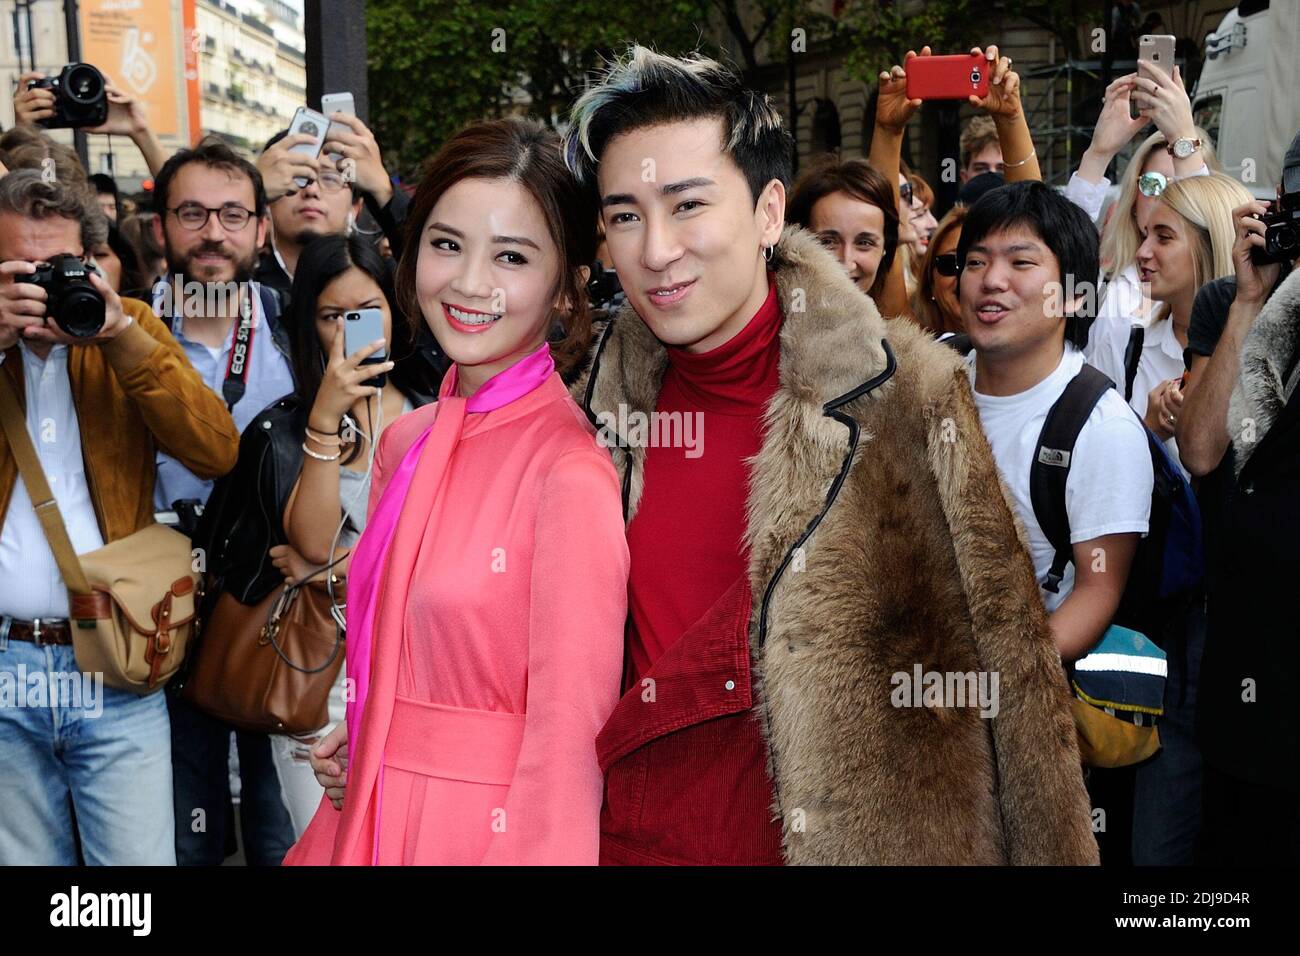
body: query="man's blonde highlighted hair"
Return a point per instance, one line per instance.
(642, 88)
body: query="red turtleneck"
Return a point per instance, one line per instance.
(686, 540)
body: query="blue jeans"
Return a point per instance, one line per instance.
(201, 753)
(1167, 791)
(69, 743)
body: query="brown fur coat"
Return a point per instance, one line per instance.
(917, 559)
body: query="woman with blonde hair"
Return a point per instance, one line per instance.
(1187, 242)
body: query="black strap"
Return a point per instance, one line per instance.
(1132, 357)
(241, 355)
(1051, 465)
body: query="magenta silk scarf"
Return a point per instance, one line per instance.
(365, 571)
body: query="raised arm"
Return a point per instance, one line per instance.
(893, 110)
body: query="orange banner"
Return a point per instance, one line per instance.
(136, 44)
(192, 41)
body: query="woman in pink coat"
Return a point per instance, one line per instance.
(487, 596)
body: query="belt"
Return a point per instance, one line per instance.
(42, 631)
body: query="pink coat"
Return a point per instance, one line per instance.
(479, 714)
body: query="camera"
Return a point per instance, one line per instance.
(1282, 222)
(75, 305)
(80, 97)
(975, 77)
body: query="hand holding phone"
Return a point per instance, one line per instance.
(331, 103)
(308, 123)
(360, 329)
(948, 77)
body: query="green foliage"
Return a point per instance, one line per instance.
(435, 65)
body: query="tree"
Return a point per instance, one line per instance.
(435, 65)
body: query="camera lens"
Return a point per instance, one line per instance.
(975, 77)
(84, 83)
(1288, 240)
(80, 312)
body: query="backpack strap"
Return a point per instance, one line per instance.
(1132, 357)
(1051, 464)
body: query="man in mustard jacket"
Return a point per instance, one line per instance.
(98, 409)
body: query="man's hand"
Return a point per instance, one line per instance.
(1254, 283)
(361, 160)
(44, 328)
(32, 106)
(1003, 100)
(125, 115)
(329, 761)
(279, 167)
(22, 304)
(893, 108)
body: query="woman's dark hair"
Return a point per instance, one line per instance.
(526, 152)
(863, 182)
(1061, 225)
(133, 277)
(321, 262)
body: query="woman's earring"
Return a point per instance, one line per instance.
(767, 253)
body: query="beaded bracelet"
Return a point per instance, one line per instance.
(321, 457)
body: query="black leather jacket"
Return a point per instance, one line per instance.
(244, 517)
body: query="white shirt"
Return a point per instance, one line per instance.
(1161, 360)
(1108, 490)
(30, 583)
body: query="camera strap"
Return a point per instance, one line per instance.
(241, 354)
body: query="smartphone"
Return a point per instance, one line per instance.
(360, 328)
(312, 124)
(332, 103)
(948, 77)
(1158, 50)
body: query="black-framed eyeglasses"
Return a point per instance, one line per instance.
(194, 216)
(905, 191)
(946, 264)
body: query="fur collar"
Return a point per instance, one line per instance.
(1260, 392)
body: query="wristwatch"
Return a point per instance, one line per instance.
(1183, 147)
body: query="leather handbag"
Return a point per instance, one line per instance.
(132, 602)
(269, 667)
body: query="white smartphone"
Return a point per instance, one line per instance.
(1158, 50)
(332, 103)
(360, 328)
(313, 124)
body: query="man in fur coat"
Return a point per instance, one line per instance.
(836, 648)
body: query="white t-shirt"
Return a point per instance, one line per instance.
(1109, 487)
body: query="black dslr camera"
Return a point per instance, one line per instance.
(1282, 222)
(80, 97)
(75, 305)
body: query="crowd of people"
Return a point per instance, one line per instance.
(665, 475)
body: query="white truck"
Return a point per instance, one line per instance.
(1248, 94)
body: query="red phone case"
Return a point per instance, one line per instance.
(948, 77)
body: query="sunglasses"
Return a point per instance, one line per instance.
(1152, 184)
(905, 191)
(946, 264)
